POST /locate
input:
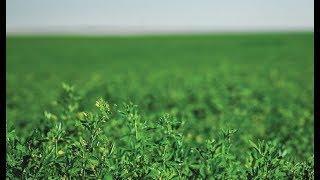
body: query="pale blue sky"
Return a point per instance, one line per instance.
(220, 14)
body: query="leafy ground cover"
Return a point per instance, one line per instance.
(160, 107)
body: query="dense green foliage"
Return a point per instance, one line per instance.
(166, 107)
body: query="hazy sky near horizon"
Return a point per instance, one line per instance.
(226, 14)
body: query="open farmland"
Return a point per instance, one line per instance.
(237, 106)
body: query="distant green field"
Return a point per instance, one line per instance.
(252, 93)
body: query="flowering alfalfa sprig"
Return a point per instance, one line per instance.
(104, 108)
(95, 123)
(93, 145)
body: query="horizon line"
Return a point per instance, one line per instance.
(136, 30)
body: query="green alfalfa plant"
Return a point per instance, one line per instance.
(216, 159)
(87, 153)
(133, 152)
(266, 160)
(92, 146)
(149, 149)
(300, 170)
(16, 156)
(57, 152)
(169, 148)
(47, 146)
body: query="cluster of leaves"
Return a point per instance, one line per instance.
(111, 142)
